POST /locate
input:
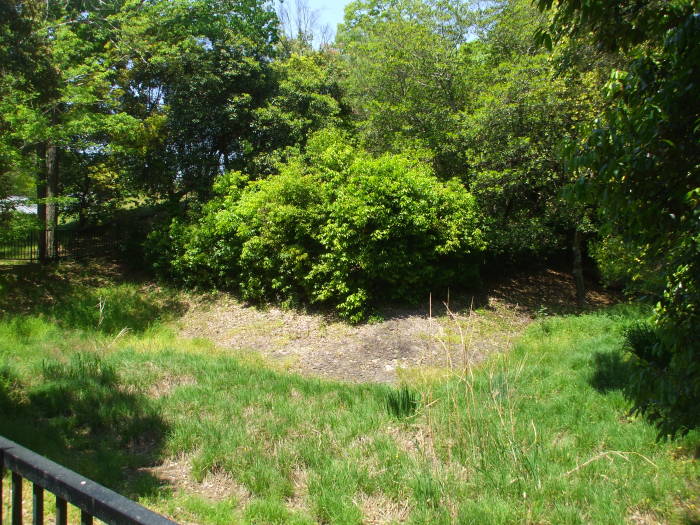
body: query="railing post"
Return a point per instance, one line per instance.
(61, 511)
(91, 499)
(38, 505)
(16, 499)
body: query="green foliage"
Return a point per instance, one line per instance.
(17, 226)
(409, 75)
(199, 71)
(643, 341)
(395, 231)
(337, 227)
(615, 25)
(307, 97)
(511, 140)
(671, 402)
(155, 98)
(639, 164)
(490, 110)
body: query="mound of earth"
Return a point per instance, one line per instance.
(439, 335)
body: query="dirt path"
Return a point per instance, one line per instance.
(425, 338)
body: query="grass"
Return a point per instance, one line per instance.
(92, 375)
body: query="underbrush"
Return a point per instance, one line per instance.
(540, 434)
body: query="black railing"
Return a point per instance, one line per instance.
(75, 244)
(93, 500)
(23, 247)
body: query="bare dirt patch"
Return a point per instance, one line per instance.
(426, 337)
(299, 501)
(167, 383)
(216, 486)
(377, 509)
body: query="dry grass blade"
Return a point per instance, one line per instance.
(609, 453)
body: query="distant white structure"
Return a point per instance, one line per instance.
(21, 204)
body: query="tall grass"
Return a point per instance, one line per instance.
(539, 434)
(539, 439)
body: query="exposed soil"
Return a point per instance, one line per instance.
(427, 337)
(177, 473)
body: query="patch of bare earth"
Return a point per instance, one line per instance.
(299, 501)
(167, 383)
(639, 517)
(377, 509)
(431, 336)
(216, 486)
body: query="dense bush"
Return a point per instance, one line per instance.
(335, 226)
(664, 385)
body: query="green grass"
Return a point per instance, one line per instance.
(92, 376)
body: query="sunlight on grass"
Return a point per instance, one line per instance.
(539, 434)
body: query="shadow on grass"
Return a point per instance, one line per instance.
(610, 372)
(83, 416)
(95, 295)
(638, 384)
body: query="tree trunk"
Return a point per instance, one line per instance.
(41, 203)
(578, 271)
(51, 205)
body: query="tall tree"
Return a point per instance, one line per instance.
(407, 74)
(526, 104)
(70, 100)
(641, 163)
(308, 96)
(120, 96)
(200, 72)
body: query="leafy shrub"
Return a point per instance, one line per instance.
(666, 384)
(643, 341)
(335, 226)
(201, 252)
(618, 263)
(393, 230)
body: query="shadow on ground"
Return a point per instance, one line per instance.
(533, 293)
(610, 372)
(84, 417)
(548, 291)
(86, 295)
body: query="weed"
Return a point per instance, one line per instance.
(403, 402)
(426, 489)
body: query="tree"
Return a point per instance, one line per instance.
(120, 97)
(199, 72)
(301, 28)
(307, 97)
(60, 95)
(641, 164)
(408, 75)
(525, 104)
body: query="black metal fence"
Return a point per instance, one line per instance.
(93, 500)
(75, 244)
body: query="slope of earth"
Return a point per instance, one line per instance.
(442, 334)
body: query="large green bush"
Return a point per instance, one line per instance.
(335, 226)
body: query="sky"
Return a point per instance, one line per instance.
(331, 11)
